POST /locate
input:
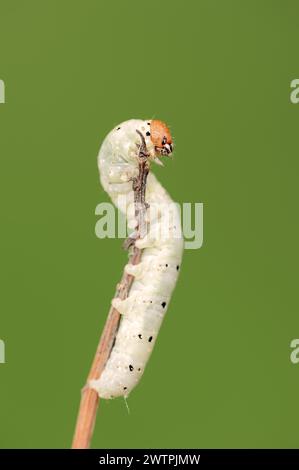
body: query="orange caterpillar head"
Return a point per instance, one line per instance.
(161, 137)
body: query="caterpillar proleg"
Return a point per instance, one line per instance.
(161, 242)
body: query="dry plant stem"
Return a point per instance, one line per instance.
(89, 397)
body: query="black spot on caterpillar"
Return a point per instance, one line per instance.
(118, 128)
(131, 368)
(125, 388)
(140, 336)
(177, 268)
(150, 338)
(148, 133)
(163, 304)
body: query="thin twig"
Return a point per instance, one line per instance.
(89, 397)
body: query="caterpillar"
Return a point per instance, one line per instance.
(154, 278)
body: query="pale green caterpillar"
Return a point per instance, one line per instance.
(156, 275)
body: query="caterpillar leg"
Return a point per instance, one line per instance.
(145, 242)
(130, 241)
(121, 306)
(135, 270)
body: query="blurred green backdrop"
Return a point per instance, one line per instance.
(219, 73)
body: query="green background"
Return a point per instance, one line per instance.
(219, 73)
